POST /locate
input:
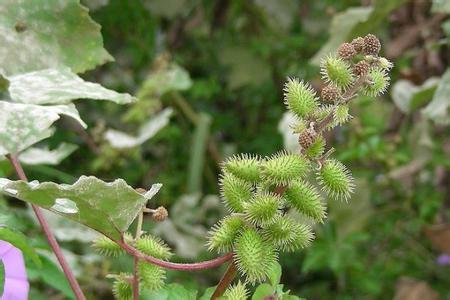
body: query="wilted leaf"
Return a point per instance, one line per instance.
(438, 109)
(20, 241)
(22, 125)
(341, 27)
(44, 33)
(408, 96)
(109, 208)
(413, 289)
(121, 140)
(59, 86)
(38, 156)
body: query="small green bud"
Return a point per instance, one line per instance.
(385, 64)
(341, 114)
(299, 97)
(335, 179)
(223, 234)
(263, 208)
(305, 199)
(337, 71)
(253, 255)
(153, 246)
(236, 292)
(151, 276)
(288, 235)
(235, 192)
(245, 167)
(283, 167)
(122, 288)
(377, 84)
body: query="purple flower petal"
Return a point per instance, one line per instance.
(443, 260)
(16, 284)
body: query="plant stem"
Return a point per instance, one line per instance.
(225, 281)
(140, 220)
(175, 266)
(49, 235)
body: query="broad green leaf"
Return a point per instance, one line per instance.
(341, 27)
(22, 125)
(59, 86)
(38, 156)
(406, 95)
(262, 291)
(440, 6)
(120, 140)
(171, 291)
(20, 241)
(438, 109)
(43, 34)
(109, 208)
(274, 274)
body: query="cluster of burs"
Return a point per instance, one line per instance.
(266, 197)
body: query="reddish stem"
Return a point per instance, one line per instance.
(225, 281)
(176, 266)
(48, 233)
(135, 280)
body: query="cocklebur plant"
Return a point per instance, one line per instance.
(259, 192)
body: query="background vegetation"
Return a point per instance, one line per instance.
(220, 65)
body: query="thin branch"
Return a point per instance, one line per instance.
(225, 281)
(49, 235)
(209, 264)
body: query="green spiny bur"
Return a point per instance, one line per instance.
(299, 97)
(336, 71)
(378, 83)
(263, 208)
(284, 167)
(235, 192)
(107, 247)
(245, 167)
(223, 234)
(287, 234)
(153, 246)
(236, 292)
(151, 276)
(316, 149)
(305, 199)
(122, 288)
(253, 255)
(335, 179)
(341, 114)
